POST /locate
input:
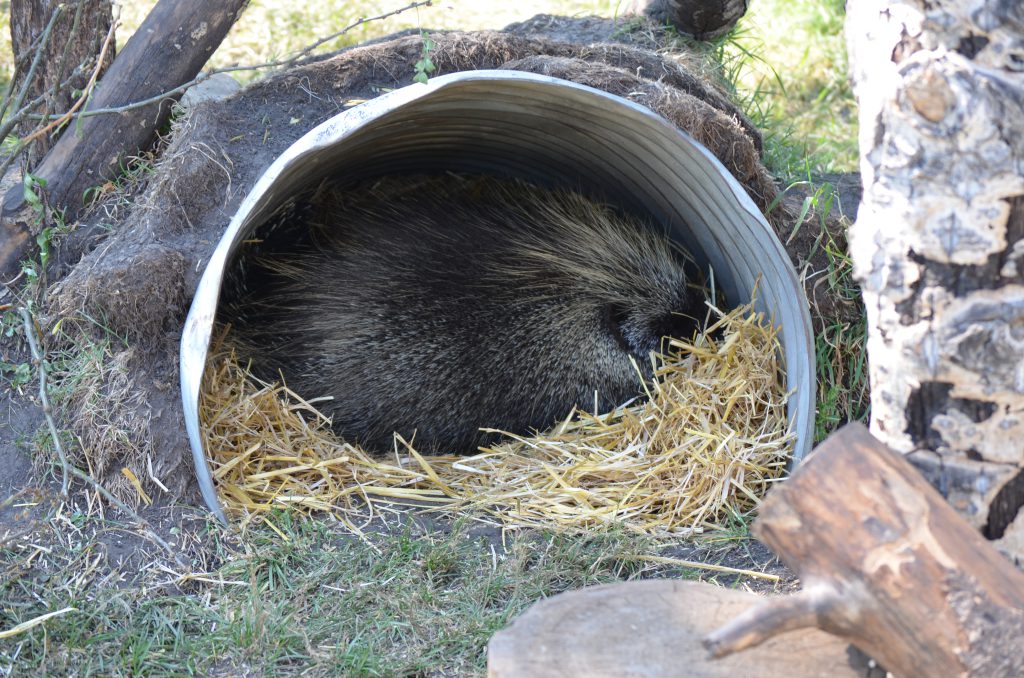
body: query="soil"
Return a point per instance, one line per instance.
(23, 418)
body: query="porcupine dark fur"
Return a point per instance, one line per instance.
(436, 306)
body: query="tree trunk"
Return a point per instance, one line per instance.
(938, 245)
(68, 55)
(172, 44)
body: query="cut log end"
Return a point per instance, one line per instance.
(652, 628)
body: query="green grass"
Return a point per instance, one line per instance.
(843, 389)
(841, 352)
(316, 602)
(843, 393)
(788, 61)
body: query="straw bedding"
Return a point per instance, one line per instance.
(705, 445)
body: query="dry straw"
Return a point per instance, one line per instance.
(706, 444)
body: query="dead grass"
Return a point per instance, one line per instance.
(94, 389)
(705, 445)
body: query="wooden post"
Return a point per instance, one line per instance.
(886, 564)
(938, 245)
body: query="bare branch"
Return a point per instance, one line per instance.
(281, 63)
(37, 358)
(85, 93)
(66, 467)
(25, 113)
(773, 617)
(57, 85)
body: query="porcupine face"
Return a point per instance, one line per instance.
(436, 306)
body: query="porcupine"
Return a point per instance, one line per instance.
(434, 306)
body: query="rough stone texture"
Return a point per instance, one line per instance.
(938, 240)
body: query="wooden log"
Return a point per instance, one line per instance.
(652, 628)
(15, 241)
(168, 49)
(886, 564)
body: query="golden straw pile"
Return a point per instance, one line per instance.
(709, 440)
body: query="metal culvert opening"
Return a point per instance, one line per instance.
(546, 131)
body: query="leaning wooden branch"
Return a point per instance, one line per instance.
(171, 45)
(44, 397)
(87, 155)
(292, 60)
(888, 565)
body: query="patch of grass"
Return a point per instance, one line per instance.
(787, 62)
(15, 372)
(785, 65)
(116, 194)
(303, 598)
(843, 393)
(96, 400)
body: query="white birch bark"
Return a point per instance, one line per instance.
(938, 245)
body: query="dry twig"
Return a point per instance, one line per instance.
(67, 467)
(278, 63)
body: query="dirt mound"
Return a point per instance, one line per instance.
(135, 281)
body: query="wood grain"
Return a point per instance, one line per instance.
(651, 628)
